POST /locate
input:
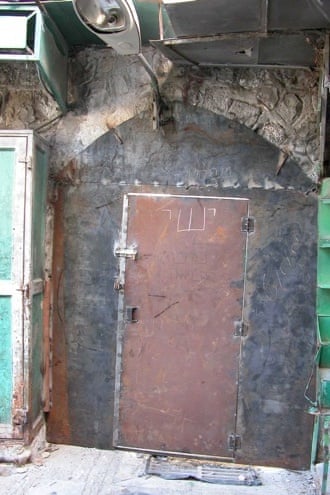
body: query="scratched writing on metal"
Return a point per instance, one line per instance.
(191, 226)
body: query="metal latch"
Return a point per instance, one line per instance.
(20, 417)
(247, 224)
(25, 290)
(131, 314)
(234, 442)
(326, 82)
(118, 284)
(130, 253)
(241, 329)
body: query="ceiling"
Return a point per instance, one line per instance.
(248, 32)
(287, 33)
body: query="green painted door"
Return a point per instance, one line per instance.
(12, 202)
(23, 182)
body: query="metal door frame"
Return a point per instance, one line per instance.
(119, 285)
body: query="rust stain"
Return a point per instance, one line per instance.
(46, 345)
(220, 235)
(58, 424)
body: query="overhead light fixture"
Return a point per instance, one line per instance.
(114, 21)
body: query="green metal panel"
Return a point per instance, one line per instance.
(38, 212)
(323, 266)
(321, 433)
(324, 220)
(325, 357)
(70, 26)
(37, 355)
(6, 377)
(75, 33)
(323, 302)
(53, 55)
(44, 45)
(7, 166)
(324, 329)
(325, 393)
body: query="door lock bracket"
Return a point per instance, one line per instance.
(131, 314)
(234, 442)
(128, 252)
(241, 329)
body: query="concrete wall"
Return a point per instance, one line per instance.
(105, 146)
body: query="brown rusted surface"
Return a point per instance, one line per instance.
(178, 388)
(47, 309)
(58, 424)
(46, 398)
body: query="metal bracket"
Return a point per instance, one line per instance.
(25, 290)
(129, 253)
(131, 314)
(326, 82)
(118, 284)
(241, 329)
(20, 418)
(234, 442)
(248, 224)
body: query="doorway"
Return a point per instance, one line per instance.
(181, 284)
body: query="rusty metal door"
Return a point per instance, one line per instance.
(181, 286)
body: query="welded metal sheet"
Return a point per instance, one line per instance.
(285, 50)
(207, 17)
(178, 356)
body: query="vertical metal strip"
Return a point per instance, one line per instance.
(121, 322)
(326, 454)
(323, 90)
(48, 310)
(27, 270)
(21, 145)
(243, 315)
(264, 16)
(315, 440)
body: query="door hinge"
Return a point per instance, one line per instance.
(28, 163)
(130, 253)
(241, 329)
(25, 290)
(326, 81)
(234, 442)
(20, 417)
(247, 224)
(118, 284)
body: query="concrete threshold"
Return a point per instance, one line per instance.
(69, 470)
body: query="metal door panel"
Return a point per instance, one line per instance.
(13, 151)
(23, 184)
(177, 369)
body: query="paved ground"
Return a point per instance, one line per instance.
(67, 470)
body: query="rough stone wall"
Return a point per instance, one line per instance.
(108, 89)
(280, 105)
(24, 103)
